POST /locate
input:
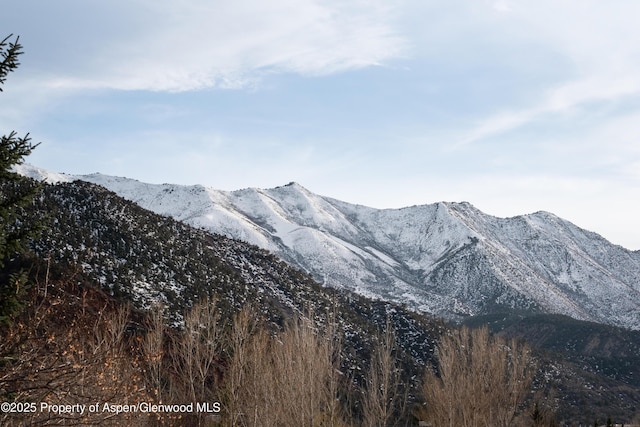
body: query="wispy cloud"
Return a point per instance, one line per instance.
(164, 45)
(597, 39)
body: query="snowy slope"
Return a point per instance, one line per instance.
(448, 259)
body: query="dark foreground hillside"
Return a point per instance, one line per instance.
(127, 307)
(145, 258)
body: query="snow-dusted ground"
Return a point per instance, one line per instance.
(448, 259)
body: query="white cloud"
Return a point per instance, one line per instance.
(597, 38)
(502, 6)
(164, 45)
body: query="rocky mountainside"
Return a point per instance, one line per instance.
(144, 258)
(446, 259)
(96, 236)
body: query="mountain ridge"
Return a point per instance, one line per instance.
(448, 259)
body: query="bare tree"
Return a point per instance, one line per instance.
(197, 352)
(382, 398)
(482, 380)
(302, 368)
(245, 345)
(288, 378)
(333, 413)
(153, 350)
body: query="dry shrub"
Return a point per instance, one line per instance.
(70, 350)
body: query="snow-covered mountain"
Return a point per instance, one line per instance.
(447, 259)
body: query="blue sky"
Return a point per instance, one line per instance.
(514, 106)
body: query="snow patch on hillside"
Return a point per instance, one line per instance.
(448, 259)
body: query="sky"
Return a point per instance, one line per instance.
(513, 106)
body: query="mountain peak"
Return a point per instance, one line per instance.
(292, 185)
(448, 259)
